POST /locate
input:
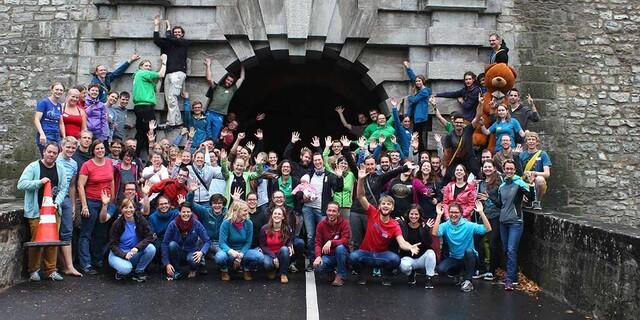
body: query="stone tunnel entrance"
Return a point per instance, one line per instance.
(302, 97)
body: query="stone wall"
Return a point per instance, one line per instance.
(13, 234)
(593, 266)
(580, 59)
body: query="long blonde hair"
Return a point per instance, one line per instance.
(235, 208)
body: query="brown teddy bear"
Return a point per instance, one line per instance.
(499, 79)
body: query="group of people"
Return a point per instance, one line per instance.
(375, 200)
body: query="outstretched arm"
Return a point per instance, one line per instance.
(241, 79)
(340, 111)
(207, 66)
(360, 192)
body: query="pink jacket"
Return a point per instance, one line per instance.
(466, 198)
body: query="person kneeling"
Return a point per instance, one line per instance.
(131, 244)
(185, 241)
(459, 233)
(331, 243)
(415, 231)
(374, 251)
(236, 234)
(277, 245)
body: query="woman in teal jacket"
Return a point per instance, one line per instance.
(419, 105)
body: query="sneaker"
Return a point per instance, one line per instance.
(308, 266)
(508, 286)
(527, 205)
(412, 278)
(34, 276)
(120, 276)
(293, 268)
(139, 277)
(284, 278)
(376, 272)
(338, 281)
(55, 276)
(489, 276)
(467, 286)
(536, 205)
(428, 283)
(362, 279)
(386, 281)
(477, 275)
(91, 271)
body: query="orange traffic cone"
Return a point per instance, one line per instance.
(47, 234)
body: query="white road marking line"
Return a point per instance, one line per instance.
(312, 296)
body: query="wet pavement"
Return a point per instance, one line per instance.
(207, 297)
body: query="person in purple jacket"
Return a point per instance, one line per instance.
(97, 116)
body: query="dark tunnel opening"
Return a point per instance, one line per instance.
(301, 97)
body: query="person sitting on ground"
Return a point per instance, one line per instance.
(459, 234)
(103, 78)
(511, 193)
(131, 243)
(277, 245)
(160, 218)
(211, 216)
(381, 229)
(467, 96)
(236, 234)
(417, 231)
(332, 245)
(185, 242)
(537, 167)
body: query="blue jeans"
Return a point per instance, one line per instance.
(50, 136)
(139, 261)
(510, 235)
(337, 262)
(386, 260)
(66, 220)
(178, 257)
(251, 261)
(453, 266)
(312, 217)
(283, 258)
(214, 122)
(89, 250)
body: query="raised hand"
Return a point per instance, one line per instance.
(362, 173)
(339, 171)
(431, 222)
(518, 148)
(185, 94)
(146, 188)
(241, 135)
(184, 131)
(394, 140)
(362, 142)
(207, 62)
(181, 199)
(373, 144)
(339, 109)
(432, 100)
(151, 136)
(345, 141)
(156, 21)
(327, 141)
(259, 159)
(261, 116)
(529, 99)
(192, 132)
(479, 207)
(193, 186)
(153, 125)
(437, 137)
(259, 134)
(163, 58)
(381, 139)
(250, 145)
(237, 193)
(394, 102)
(405, 64)
(105, 196)
(295, 136)
(223, 154)
(315, 142)
(480, 98)
(134, 57)
(439, 209)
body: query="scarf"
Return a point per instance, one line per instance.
(238, 225)
(184, 226)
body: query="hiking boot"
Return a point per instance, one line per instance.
(284, 278)
(537, 205)
(34, 276)
(139, 277)
(247, 276)
(55, 276)
(412, 278)
(225, 276)
(271, 274)
(338, 281)
(467, 286)
(428, 283)
(489, 276)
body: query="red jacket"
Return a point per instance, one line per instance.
(170, 188)
(339, 233)
(466, 199)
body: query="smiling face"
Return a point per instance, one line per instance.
(156, 160)
(532, 142)
(502, 112)
(486, 156)
(494, 42)
(454, 214)
(130, 193)
(435, 164)
(183, 175)
(336, 147)
(228, 81)
(458, 124)
(381, 120)
(101, 71)
(318, 164)
(178, 32)
(124, 101)
(373, 114)
(419, 83)
(185, 157)
(163, 204)
(514, 97)
(488, 168)
(459, 173)
(278, 198)
(370, 165)
(94, 92)
(505, 142)
(217, 206)
(277, 215)
(406, 122)
(385, 163)
(57, 91)
(362, 119)
(146, 65)
(386, 206)
(333, 211)
(198, 159)
(425, 168)
(468, 80)
(252, 201)
(394, 156)
(50, 154)
(98, 151)
(238, 167)
(69, 149)
(305, 157)
(285, 168)
(509, 169)
(414, 215)
(112, 98)
(127, 211)
(185, 213)
(272, 158)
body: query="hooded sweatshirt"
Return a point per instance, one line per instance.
(510, 194)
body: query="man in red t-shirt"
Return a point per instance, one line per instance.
(381, 229)
(173, 187)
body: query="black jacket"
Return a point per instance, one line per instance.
(425, 239)
(330, 184)
(143, 230)
(176, 51)
(374, 184)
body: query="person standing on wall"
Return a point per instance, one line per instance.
(103, 78)
(144, 99)
(48, 117)
(220, 95)
(175, 47)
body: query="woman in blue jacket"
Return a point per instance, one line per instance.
(185, 242)
(419, 105)
(236, 234)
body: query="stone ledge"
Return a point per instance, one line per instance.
(592, 265)
(11, 214)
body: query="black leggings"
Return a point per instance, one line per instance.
(144, 114)
(423, 129)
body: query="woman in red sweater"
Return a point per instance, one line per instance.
(276, 244)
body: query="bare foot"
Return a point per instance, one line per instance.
(72, 272)
(192, 274)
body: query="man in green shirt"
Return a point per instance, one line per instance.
(220, 95)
